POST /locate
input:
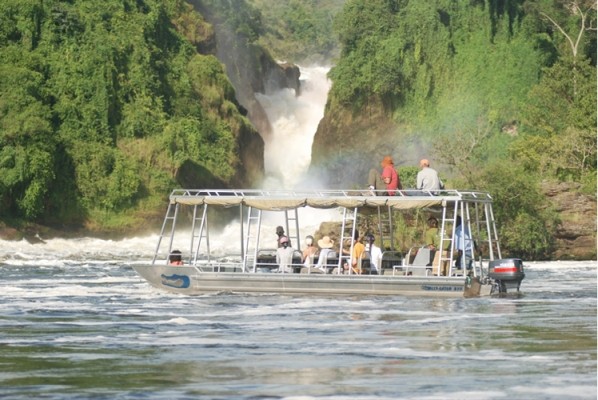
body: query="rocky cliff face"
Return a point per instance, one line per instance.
(576, 235)
(347, 145)
(249, 67)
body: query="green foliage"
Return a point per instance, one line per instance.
(561, 123)
(241, 18)
(408, 177)
(525, 237)
(500, 91)
(99, 105)
(27, 143)
(299, 31)
(527, 224)
(361, 27)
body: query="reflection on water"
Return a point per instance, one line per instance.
(96, 330)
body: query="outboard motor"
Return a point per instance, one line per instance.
(507, 273)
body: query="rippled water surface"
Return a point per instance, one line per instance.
(81, 324)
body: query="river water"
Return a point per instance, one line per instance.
(77, 322)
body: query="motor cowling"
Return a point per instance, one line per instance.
(507, 272)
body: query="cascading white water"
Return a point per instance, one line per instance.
(294, 121)
(287, 153)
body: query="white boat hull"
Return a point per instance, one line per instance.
(190, 281)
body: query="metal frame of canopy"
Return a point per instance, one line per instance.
(256, 201)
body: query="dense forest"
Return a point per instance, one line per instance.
(102, 106)
(502, 93)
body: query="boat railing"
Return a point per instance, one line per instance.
(455, 194)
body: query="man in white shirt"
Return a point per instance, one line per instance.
(427, 178)
(375, 254)
(284, 256)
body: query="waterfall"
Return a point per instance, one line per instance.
(294, 120)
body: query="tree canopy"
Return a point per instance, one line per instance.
(502, 91)
(101, 103)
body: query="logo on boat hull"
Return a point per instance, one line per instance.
(176, 281)
(436, 288)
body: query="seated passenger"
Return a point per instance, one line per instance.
(280, 234)
(427, 178)
(387, 182)
(325, 244)
(175, 258)
(310, 252)
(432, 237)
(356, 255)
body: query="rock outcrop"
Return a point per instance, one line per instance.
(347, 145)
(250, 68)
(576, 235)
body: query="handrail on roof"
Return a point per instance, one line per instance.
(279, 200)
(330, 193)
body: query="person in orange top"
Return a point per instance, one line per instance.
(358, 252)
(386, 183)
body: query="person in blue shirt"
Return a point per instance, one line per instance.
(463, 244)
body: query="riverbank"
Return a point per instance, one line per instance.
(38, 234)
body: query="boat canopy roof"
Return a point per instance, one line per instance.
(280, 200)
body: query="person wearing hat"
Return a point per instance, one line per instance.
(325, 244)
(427, 178)
(310, 251)
(284, 255)
(388, 181)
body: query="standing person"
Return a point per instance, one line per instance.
(388, 180)
(427, 178)
(375, 255)
(280, 234)
(464, 245)
(310, 251)
(284, 255)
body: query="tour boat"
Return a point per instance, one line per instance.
(194, 218)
